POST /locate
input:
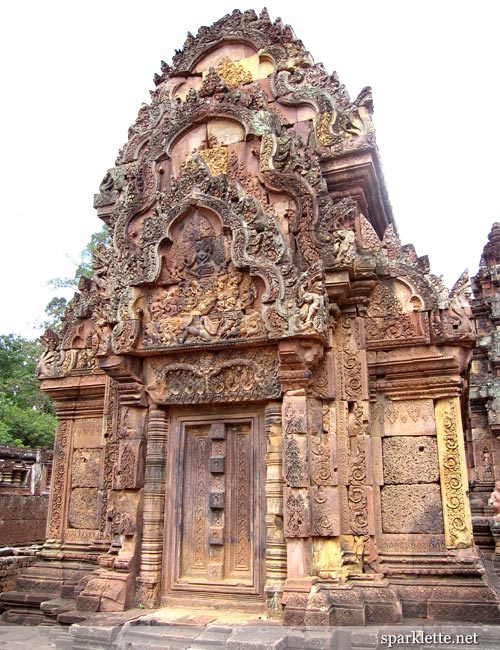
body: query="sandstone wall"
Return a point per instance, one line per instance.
(24, 495)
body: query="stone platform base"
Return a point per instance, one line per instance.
(364, 602)
(112, 633)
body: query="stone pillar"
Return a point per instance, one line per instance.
(297, 504)
(276, 555)
(297, 358)
(354, 442)
(148, 584)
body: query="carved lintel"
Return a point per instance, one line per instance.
(226, 376)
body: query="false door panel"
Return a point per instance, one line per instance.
(215, 544)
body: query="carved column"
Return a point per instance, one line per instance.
(149, 581)
(452, 466)
(354, 443)
(296, 495)
(297, 358)
(57, 506)
(275, 541)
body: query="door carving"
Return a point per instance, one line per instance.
(214, 513)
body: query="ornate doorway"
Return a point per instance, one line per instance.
(214, 514)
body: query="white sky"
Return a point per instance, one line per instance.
(73, 76)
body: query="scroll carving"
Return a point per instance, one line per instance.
(218, 377)
(58, 481)
(451, 453)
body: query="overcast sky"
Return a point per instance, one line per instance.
(74, 75)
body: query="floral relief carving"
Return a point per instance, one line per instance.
(219, 377)
(293, 463)
(58, 480)
(321, 467)
(232, 73)
(451, 454)
(296, 513)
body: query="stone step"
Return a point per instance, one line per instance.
(159, 637)
(39, 584)
(53, 608)
(73, 616)
(212, 638)
(12, 598)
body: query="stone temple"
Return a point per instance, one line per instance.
(261, 395)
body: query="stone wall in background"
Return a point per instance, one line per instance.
(484, 395)
(24, 494)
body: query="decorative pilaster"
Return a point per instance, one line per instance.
(452, 467)
(275, 540)
(149, 581)
(297, 500)
(55, 521)
(353, 440)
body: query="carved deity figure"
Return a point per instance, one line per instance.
(202, 262)
(51, 357)
(343, 246)
(312, 302)
(311, 307)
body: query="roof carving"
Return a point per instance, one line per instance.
(233, 202)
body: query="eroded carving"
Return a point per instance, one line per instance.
(218, 377)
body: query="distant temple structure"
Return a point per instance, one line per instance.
(484, 394)
(261, 394)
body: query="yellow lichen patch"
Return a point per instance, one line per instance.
(255, 66)
(215, 159)
(337, 557)
(232, 73)
(322, 125)
(452, 467)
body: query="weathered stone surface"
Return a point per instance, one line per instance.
(86, 467)
(410, 459)
(83, 508)
(24, 483)
(263, 370)
(411, 509)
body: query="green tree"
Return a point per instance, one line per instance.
(56, 307)
(26, 414)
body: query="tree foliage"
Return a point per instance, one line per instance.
(26, 414)
(56, 307)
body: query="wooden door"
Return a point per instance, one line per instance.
(216, 471)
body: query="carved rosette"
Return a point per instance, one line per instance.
(452, 466)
